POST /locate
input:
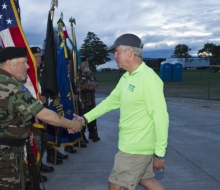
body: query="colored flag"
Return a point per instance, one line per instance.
(12, 34)
(49, 78)
(64, 105)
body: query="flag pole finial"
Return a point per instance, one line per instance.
(54, 3)
(61, 15)
(72, 20)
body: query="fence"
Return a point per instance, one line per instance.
(202, 84)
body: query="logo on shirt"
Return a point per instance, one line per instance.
(131, 87)
(24, 89)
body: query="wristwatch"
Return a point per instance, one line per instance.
(86, 121)
(159, 157)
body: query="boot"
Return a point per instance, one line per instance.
(70, 149)
(45, 168)
(84, 138)
(95, 136)
(51, 157)
(93, 132)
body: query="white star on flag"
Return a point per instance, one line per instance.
(4, 6)
(9, 21)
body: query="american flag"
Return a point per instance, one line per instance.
(12, 35)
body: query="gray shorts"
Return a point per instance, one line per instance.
(129, 169)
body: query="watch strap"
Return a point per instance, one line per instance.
(160, 157)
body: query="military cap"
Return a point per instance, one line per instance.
(84, 59)
(35, 50)
(9, 53)
(128, 40)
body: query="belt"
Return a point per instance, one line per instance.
(12, 142)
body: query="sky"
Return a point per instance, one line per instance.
(161, 24)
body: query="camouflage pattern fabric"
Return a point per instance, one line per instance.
(44, 139)
(88, 97)
(17, 107)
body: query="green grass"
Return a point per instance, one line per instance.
(195, 84)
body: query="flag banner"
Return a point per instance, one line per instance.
(12, 35)
(48, 77)
(74, 68)
(64, 104)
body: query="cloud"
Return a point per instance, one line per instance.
(160, 24)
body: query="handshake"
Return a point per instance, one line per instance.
(77, 124)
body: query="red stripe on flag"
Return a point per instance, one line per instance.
(17, 37)
(19, 41)
(65, 32)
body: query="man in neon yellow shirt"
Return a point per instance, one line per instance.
(143, 123)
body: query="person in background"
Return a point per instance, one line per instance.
(143, 123)
(40, 135)
(88, 84)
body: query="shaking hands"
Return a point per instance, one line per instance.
(79, 122)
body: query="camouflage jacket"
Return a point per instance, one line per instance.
(87, 96)
(17, 107)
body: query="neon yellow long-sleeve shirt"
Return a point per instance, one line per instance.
(144, 121)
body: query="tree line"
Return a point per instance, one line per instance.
(92, 48)
(96, 51)
(210, 51)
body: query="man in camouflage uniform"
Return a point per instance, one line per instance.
(88, 84)
(17, 107)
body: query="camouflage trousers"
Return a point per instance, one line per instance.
(11, 168)
(44, 139)
(37, 139)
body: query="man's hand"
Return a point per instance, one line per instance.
(92, 85)
(79, 123)
(80, 119)
(158, 164)
(75, 127)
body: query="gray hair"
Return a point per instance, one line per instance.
(137, 51)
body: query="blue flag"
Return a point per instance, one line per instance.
(64, 104)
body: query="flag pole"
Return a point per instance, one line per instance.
(53, 4)
(72, 20)
(52, 9)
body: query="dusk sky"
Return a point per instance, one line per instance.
(161, 24)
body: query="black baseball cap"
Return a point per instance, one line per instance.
(128, 40)
(35, 50)
(9, 53)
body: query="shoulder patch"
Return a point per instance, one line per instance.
(24, 89)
